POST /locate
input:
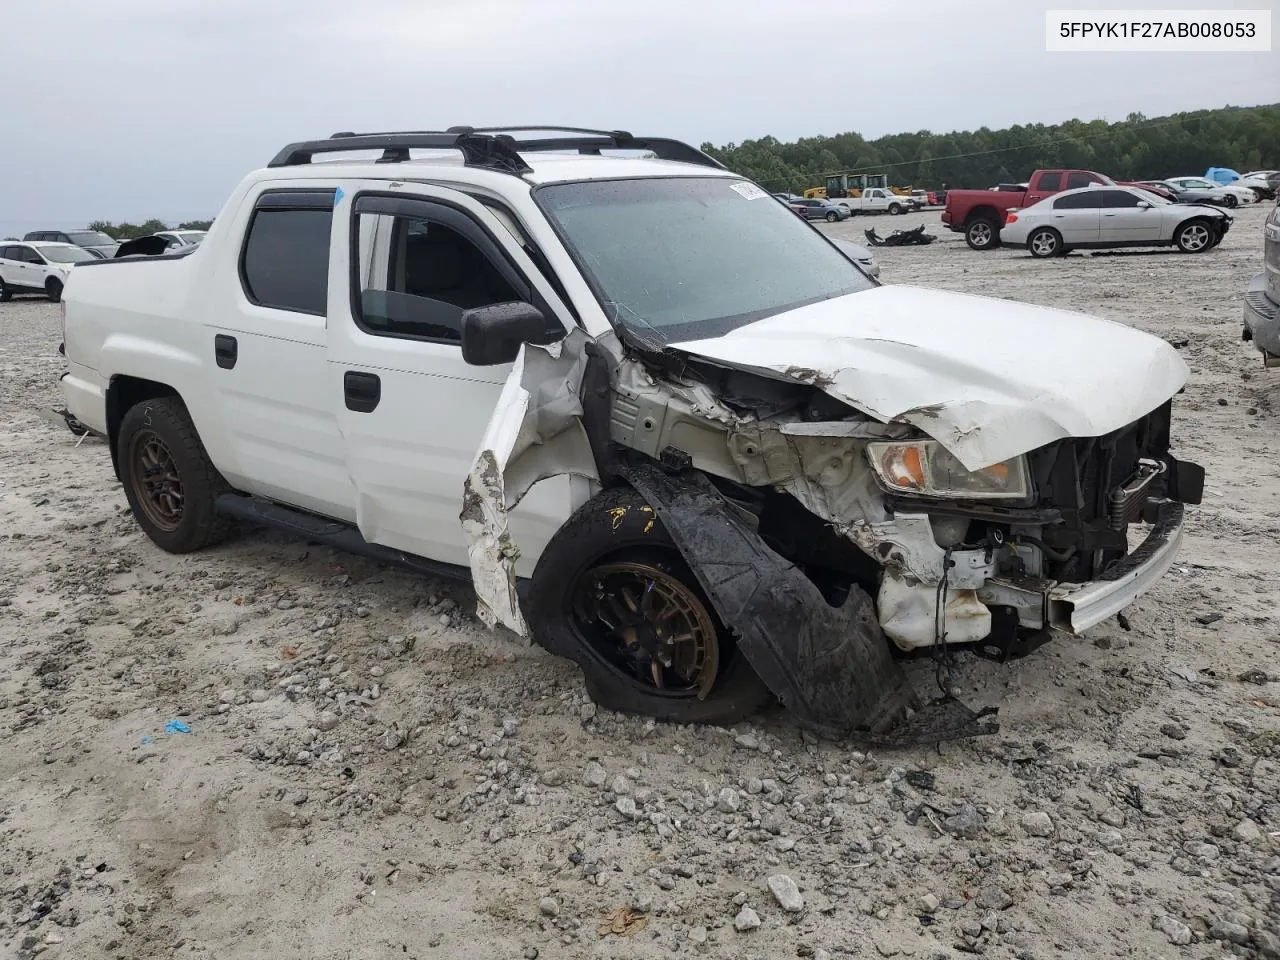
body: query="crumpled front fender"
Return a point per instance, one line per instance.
(829, 665)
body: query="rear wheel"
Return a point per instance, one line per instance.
(1232, 200)
(1194, 236)
(982, 234)
(832, 217)
(612, 593)
(1045, 242)
(53, 289)
(170, 483)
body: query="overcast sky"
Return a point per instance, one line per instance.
(127, 109)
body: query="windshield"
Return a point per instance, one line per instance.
(66, 254)
(681, 258)
(1152, 198)
(90, 238)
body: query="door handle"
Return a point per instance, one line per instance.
(362, 391)
(225, 351)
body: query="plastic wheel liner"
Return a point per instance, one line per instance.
(830, 666)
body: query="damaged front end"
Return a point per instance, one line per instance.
(812, 527)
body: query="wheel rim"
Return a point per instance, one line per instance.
(649, 625)
(1044, 244)
(980, 233)
(156, 484)
(1195, 237)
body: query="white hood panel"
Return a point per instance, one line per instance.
(988, 379)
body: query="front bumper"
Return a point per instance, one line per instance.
(1075, 607)
(1262, 320)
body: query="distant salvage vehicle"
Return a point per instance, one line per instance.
(1262, 299)
(979, 214)
(716, 467)
(1235, 195)
(38, 267)
(1110, 217)
(95, 241)
(817, 209)
(1215, 196)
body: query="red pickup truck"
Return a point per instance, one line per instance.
(979, 214)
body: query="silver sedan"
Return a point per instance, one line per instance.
(1099, 217)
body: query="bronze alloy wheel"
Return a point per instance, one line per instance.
(156, 484)
(650, 625)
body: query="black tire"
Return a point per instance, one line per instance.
(1045, 242)
(982, 233)
(53, 289)
(1232, 201)
(832, 217)
(1194, 236)
(894, 209)
(5, 293)
(177, 510)
(617, 528)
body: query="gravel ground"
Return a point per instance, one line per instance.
(369, 773)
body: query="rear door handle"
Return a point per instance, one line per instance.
(225, 350)
(362, 391)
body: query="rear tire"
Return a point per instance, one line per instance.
(1045, 242)
(832, 217)
(617, 535)
(982, 233)
(53, 289)
(1194, 236)
(170, 483)
(1232, 201)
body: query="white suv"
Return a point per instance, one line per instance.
(661, 423)
(31, 267)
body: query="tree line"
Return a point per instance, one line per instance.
(132, 231)
(1136, 148)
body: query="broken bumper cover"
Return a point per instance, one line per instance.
(1262, 318)
(1075, 607)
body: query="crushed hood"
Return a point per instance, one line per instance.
(988, 379)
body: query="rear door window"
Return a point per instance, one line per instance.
(285, 262)
(1087, 200)
(1118, 199)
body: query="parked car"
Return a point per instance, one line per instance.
(1215, 197)
(979, 214)
(1261, 182)
(1234, 195)
(181, 238)
(859, 254)
(1161, 191)
(38, 267)
(922, 198)
(1262, 299)
(1106, 217)
(95, 241)
(813, 208)
(757, 469)
(879, 200)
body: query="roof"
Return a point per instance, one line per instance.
(448, 165)
(47, 243)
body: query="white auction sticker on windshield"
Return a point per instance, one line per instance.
(748, 190)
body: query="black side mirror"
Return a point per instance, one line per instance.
(493, 334)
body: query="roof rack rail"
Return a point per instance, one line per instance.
(493, 148)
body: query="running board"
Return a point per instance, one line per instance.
(333, 533)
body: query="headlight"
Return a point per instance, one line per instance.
(924, 468)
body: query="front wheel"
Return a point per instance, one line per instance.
(170, 483)
(894, 209)
(1045, 242)
(613, 593)
(1194, 236)
(53, 289)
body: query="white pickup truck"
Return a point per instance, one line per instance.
(880, 200)
(663, 425)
